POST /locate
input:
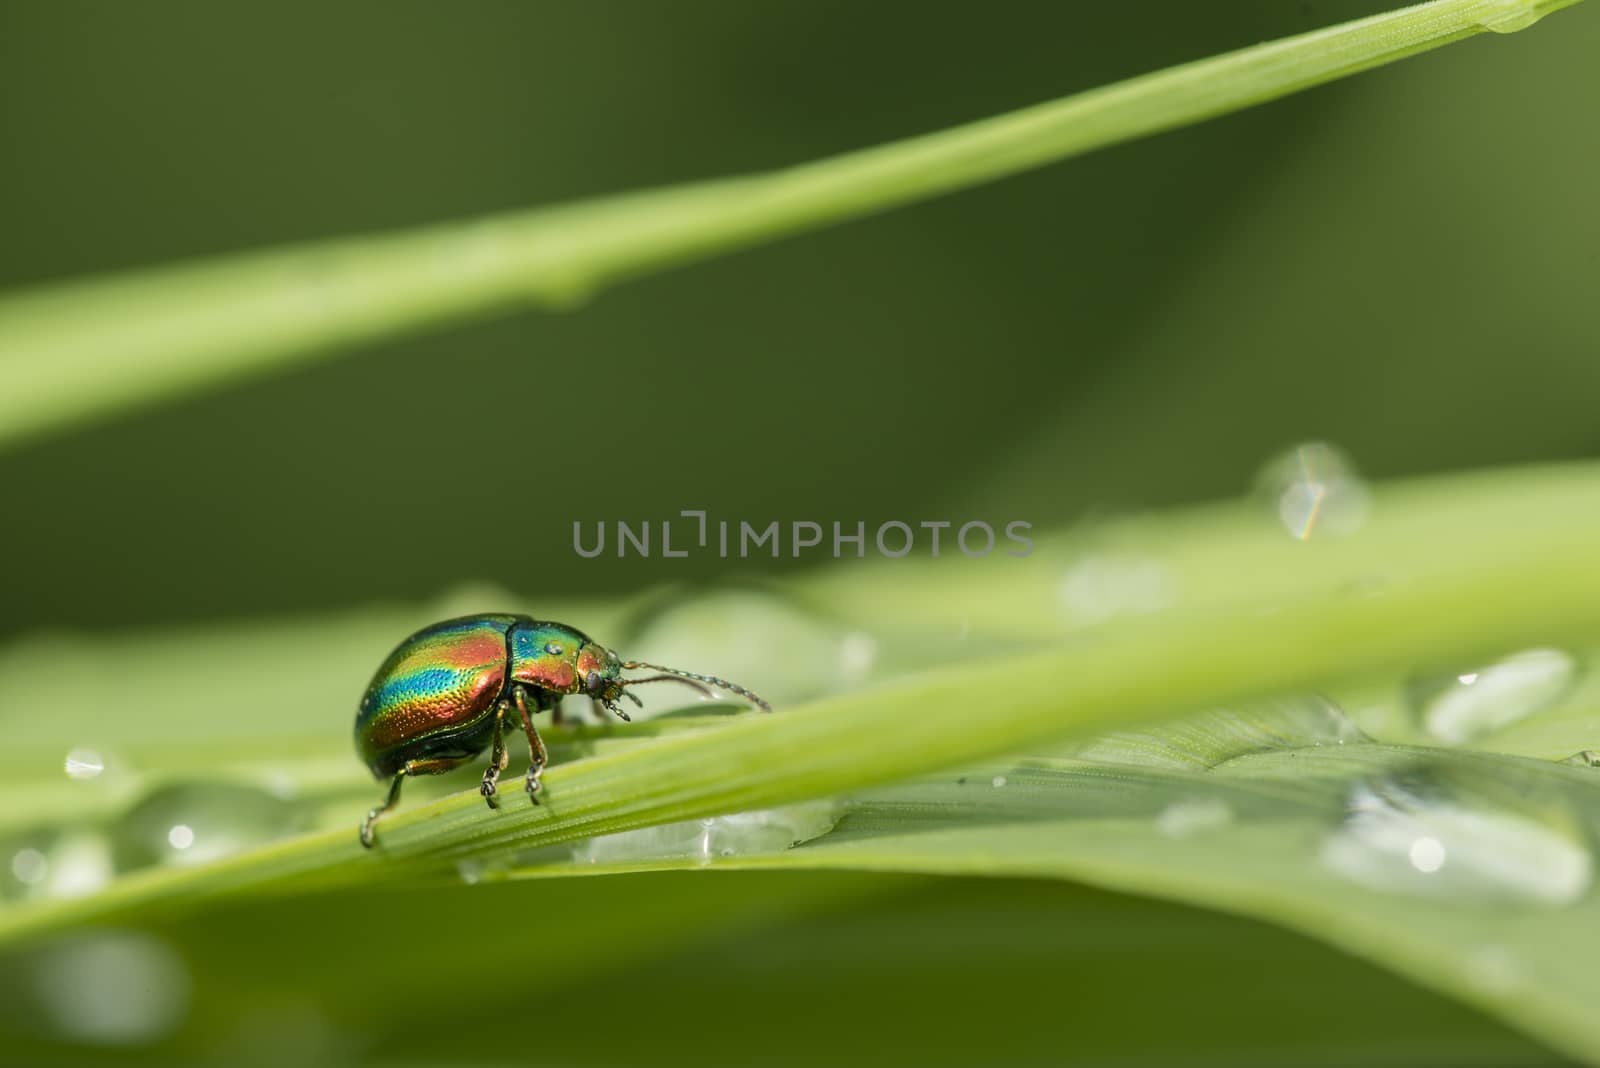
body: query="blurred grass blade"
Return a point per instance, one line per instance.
(74, 351)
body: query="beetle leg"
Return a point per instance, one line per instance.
(499, 757)
(392, 800)
(555, 712)
(427, 766)
(538, 757)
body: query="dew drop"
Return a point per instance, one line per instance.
(77, 865)
(1466, 705)
(1431, 837)
(475, 870)
(84, 764)
(1193, 815)
(1110, 585)
(1427, 854)
(858, 651)
(1314, 491)
(282, 785)
(765, 831)
(29, 866)
(1509, 16)
(1202, 739)
(998, 781)
(195, 823)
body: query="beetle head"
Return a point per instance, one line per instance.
(600, 671)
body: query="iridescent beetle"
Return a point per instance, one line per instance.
(445, 693)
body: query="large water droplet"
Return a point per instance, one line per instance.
(1465, 705)
(192, 824)
(1433, 837)
(76, 864)
(1314, 490)
(765, 831)
(760, 640)
(111, 988)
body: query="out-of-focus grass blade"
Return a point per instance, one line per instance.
(71, 352)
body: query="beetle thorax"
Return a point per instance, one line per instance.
(546, 655)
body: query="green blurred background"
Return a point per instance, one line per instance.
(1401, 263)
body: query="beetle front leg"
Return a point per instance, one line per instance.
(499, 757)
(537, 756)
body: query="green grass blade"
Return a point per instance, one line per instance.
(71, 352)
(1458, 581)
(1252, 833)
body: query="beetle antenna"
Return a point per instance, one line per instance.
(665, 678)
(677, 675)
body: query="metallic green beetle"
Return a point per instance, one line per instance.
(445, 693)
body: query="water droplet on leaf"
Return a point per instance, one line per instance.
(1313, 490)
(1193, 815)
(195, 823)
(765, 831)
(1109, 585)
(1468, 704)
(1442, 837)
(84, 764)
(1509, 16)
(78, 864)
(29, 866)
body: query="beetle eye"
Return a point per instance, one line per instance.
(553, 648)
(593, 684)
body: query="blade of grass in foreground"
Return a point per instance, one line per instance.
(73, 351)
(1458, 581)
(1468, 872)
